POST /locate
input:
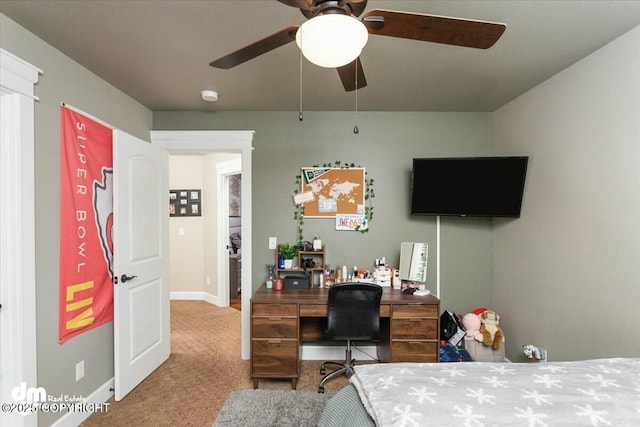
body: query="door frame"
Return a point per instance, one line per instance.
(18, 357)
(201, 142)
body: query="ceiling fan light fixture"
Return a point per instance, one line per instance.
(332, 40)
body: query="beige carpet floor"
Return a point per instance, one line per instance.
(205, 365)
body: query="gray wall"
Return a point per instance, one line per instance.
(64, 80)
(385, 146)
(566, 275)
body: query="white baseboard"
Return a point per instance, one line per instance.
(96, 399)
(195, 296)
(324, 352)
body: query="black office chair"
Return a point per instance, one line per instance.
(353, 314)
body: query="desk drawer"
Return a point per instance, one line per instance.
(274, 358)
(414, 328)
(320, 310)
(274, 327)
(415, 310)
(313, 310)
(274, 310)
(414, 351)
(385, 310)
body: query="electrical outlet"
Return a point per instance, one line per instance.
(273, 242)
(79, 370)
(208, 279)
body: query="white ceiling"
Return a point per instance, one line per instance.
(158, 52)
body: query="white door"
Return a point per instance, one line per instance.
(141, 263)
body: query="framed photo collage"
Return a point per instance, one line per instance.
(185, 203)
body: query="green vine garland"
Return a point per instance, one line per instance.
(298, 214)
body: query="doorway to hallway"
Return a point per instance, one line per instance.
(240, 142)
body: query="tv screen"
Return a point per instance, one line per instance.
(468, 186)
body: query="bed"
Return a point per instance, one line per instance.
(600, 392)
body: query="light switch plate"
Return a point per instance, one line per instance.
(80, 370)
(273, 242)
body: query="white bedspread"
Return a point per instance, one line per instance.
(603, 392)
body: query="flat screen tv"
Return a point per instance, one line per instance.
(468, 186)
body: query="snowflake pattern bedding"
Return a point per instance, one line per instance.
(602, 392)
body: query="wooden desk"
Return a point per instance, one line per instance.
(282, 320)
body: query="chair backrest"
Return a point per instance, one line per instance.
(353, 311)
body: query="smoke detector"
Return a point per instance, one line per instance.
(209, 95)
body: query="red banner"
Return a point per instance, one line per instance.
(86, 220)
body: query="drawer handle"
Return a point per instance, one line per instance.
(415, 342)
(415, 320)
(275, 319)
(274, 341)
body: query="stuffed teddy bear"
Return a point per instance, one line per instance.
(472, 323)
(492, 335)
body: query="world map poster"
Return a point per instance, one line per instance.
(333, 191)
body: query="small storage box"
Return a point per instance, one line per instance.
(295, 281)
(482, 353)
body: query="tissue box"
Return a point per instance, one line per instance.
(482, 353)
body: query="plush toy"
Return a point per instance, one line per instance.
(472, 323)
(492, 335)
(479, 310)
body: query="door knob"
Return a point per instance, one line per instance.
(125, 278)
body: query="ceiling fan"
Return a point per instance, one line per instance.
(407, 25)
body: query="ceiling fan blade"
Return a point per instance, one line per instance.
(300, 4)
(433, 28)
(347, 74)
(253, 50)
